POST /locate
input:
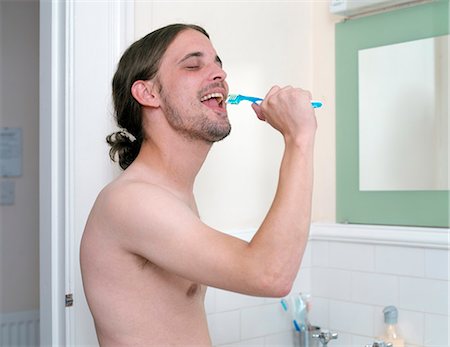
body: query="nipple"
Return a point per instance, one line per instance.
(192, 290)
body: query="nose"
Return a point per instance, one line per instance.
(218, 73)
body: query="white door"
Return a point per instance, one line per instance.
(80, 42)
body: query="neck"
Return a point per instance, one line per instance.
(173, 160)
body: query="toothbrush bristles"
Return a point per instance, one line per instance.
(233, 99)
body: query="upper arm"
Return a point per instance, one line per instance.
(151, 222)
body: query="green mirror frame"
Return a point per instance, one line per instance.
(408, 208)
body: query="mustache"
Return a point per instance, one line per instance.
(213, 85)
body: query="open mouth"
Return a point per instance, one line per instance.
(214, 100)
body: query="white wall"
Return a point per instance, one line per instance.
(324, 72)
(19, 107)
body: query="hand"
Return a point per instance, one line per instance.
(288, 110)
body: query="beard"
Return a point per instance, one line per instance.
(198, 127)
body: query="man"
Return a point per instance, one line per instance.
(146, 257)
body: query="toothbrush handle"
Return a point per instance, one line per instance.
(253, 99)
(314, 103)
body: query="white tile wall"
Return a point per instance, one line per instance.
(343, 256)
(356, 278)
(350, 281)
(351, 317)
(373, 288)
(247, 343)
(411, 326)
(437, 264)
(224, 327)
(424, 295)
(331, 283)
(320, 253)
(227, 301)
(403, 261)
(436, 330)
(320, 312)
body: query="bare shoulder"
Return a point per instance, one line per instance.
(132, 217)
(126, 208)
(124, 202)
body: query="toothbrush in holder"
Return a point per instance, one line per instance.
(235, 99)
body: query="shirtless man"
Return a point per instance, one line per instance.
(146, 257)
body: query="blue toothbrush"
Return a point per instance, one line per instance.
(235, 99)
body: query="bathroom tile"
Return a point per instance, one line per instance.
(373, 288)
(343, 340)
(259, 342)
(319, 253)
(319, 312)
(274, 300)
(411, 326)
(437, 264)
(400, 260)
(284, 339)
(378, 320)
(307, 257)
(302, 283)
(351, 318)
(360, 341)
(351, 256)
(210, 300)
(424, 295)
(264, 320)
(245, 235)
(228, 301)
(224, 327)
(437, 331)
(331, 283)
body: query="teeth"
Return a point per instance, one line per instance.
(213, 95)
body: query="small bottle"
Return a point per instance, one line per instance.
(391, 333)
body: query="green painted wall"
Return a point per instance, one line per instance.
(412, 208)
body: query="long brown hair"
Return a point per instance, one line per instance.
(140, 61)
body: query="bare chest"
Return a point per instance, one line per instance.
(172, 285)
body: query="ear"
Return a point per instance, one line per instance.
(145, 93)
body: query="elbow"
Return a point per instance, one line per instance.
(276, 285)
(281, 290)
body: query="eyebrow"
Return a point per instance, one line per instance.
(199, 55)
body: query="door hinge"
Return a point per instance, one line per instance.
(69, 300)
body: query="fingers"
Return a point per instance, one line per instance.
(258, 111)
(288, 110)
(275, 89)
(278, 101)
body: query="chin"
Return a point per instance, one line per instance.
(216, 134)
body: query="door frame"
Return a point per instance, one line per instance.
(52, 101)
(60, 218)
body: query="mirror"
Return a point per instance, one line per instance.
(404, 116)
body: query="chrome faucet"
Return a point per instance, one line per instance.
(325, 336)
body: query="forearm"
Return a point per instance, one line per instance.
(278, 246)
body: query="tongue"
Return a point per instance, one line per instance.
(211, 102)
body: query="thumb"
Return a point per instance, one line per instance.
(258, 111)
